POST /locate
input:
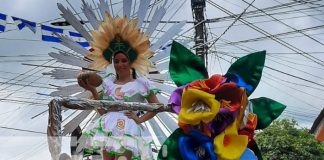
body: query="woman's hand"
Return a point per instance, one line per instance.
(131, 115)
(85, 84)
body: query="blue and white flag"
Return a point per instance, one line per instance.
(77, 37)
(166, 46)
(48, 33)
(3, 22)
(21, 23)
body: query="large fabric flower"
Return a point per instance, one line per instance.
(235, 78)
(197, 106)
(196, 146)
(175, 99)
(249, 128)
(208, 85)
(229, 93)
(203, 127)
(233, 103)
(229, 145)
(222, 120)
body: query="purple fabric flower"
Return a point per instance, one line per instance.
(175, 99)
(223, 119)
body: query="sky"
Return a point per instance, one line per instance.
(22, 108)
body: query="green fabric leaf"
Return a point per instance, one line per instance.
(249, 68)
(256, 151)
(185, 66)
(267, 110)
(172, 149)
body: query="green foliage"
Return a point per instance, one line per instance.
(282, 140)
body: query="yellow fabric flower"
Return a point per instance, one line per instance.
(229, 145)
(197, 106)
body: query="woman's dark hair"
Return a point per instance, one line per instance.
(122, 52)
(133, 73)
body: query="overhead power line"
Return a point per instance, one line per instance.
(294, 76)
(293, 28)
(236, 19)
(26, 85)
(21, 101)
(290, 82)
(278, 35)
(293, 88)
(262, 31)
(23, 130)
(283, 91)
(294, 68)
(295, 63)
(256, 13)
(270, 20)
(21, 79)
(24, 60)
(275, 53)
(9, 55)
(291, 75)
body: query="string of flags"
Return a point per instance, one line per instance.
(3, 21)
(47, 31)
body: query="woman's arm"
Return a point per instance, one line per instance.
(87, 86)
(148, 115)
(152, 98)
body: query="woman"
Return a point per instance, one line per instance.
(121, 133)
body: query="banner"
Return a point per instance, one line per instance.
(47, 33)
(77, 37)
(22, 23)
(3, 21)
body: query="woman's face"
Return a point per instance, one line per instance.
(121, 63)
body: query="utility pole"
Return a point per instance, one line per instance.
(198, 8)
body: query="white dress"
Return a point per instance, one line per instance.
(113, 131)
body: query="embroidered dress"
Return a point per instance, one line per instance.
(113, 131)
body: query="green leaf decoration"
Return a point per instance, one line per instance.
(267, 110)
(256, 151)
(171, 152)
(185, 66)
(249, 68)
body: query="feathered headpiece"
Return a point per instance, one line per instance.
(115, 35)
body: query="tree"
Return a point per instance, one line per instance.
(282, 140)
